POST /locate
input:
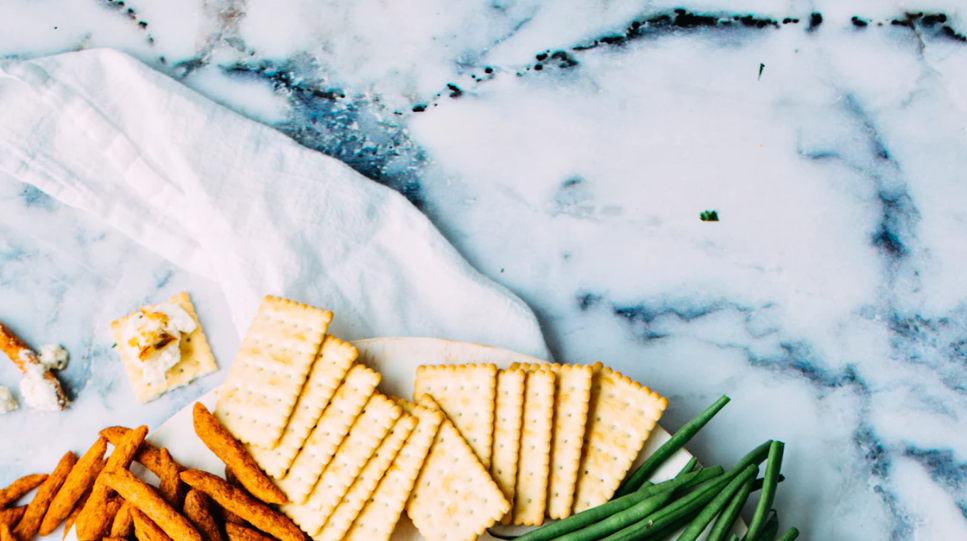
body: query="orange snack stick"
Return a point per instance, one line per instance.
(30, 523)
(93, 523)
(146, 529)
(237, 501)
(148, 455)
(149, 502)
(123, 525)
(171, 487)
(12, 516)
(241, 533)
(78, 481)
(231, 451)
(72, 517)
(20, 487)
(199, 513)
(5, 533)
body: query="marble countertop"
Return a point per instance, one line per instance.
(568, 149)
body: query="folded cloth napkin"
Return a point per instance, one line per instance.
(242, 204)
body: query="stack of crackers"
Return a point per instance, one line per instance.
(347, 457)
(477, 445)
(557, 439)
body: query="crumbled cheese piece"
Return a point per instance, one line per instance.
(53, 356)
(38, 393)
(7, 402)
(155, 336)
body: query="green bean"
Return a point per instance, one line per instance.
(701, 476)
(733, 537)
(667, 531)
(771, 529)
(663, 493)
(727, 519)
(670, 447)
(620, 520)
(595, 514)
(768, 491)
(650, 525)
(697, 526)
(790, 535)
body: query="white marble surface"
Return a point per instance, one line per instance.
(827, 301)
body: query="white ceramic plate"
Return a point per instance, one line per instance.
(396, 359)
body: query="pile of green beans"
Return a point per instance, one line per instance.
(694, 499)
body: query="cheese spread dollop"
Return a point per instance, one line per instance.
(7, 402)
(154, 335)
(53, 356)
(38, 393)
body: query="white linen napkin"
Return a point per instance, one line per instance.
(242, 204)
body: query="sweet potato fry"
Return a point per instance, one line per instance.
(123, 525)
(112, 538)
(20, 487)
(199, 513)
(72, 517)
(228, 516)
(148, 455)
(241, 533)
(149, 502)
(93, 523)
(5, 533)
(171, 488)
(79, 480)
(146, 529)
(217, 438)
(12, 516)
(30, 523)
(237, 501)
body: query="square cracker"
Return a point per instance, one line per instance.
(333, 426)
(372, 425)
(533, 462)
(379, 516)
(331, 365)
(454, 498)
(621, 415)
(507, 419)
(354, 500)
(270, 370)
(196, 356)
(573, 386)
(466, 395)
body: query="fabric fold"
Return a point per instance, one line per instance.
(242, 204)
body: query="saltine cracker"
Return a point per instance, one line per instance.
(621, 415)
(465, 393)
(372, 425)
(454, 498)
(324, 440)
(364, 485)
(270, 369)
(330, 367)
(507, 418)
(379, 516)
(573, 389)
(196, 356)
(530, 498)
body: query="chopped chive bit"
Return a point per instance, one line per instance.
(709, 216)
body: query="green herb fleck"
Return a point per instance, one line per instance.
(761, 67)
(114, 345)
(709, 216)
